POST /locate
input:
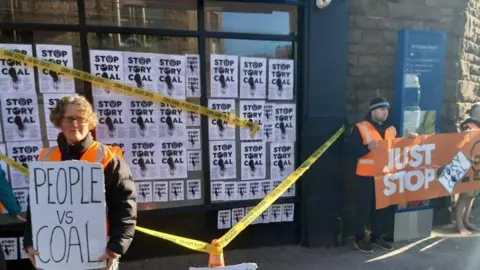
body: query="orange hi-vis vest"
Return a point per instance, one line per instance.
(96, 152)
(366, 164)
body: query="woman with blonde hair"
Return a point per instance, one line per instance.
(75, 118)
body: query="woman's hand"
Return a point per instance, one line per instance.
(31, 255)
(110, 257)
(22, 219)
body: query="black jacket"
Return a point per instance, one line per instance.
(464, 124)
(120, 197)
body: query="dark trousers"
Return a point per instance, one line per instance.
(3, 262)
(365, 212)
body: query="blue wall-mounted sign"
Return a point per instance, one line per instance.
(419, 87)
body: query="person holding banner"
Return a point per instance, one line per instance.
(75, 117)
(7, 201)
(364, 138)
(463, 207)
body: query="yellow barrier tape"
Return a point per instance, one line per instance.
(182, 241)
(12, 163)
(231, 119)
(270, 199)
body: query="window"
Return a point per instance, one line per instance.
(35, 11)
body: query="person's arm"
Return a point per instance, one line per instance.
(356, 147)
(7, 197)
(122, 205)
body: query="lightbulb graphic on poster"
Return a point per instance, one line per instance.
(193, 76)
(10, 248)
(177, 191)
(160, 191)
(63, 215)
(281, 160)
(242, 191)
(285, 123)
(266, 187)
(140, 71)
(216, 191)
(276, 213)
(144, 192)
(237, 215)
(253, 78)
(142, 118)
(193, 139)
(49, 103)
(224, 219)
(252, 111)
(194, 189)
(194, 160)
(171, 75)
(193, 119)
(268, 121)
(254, 190)
(16, 76)
(229, 191)
(173, 159)
(223, 159)
(172, 122)
(49, 80)
(288, 210)
(108, 65)
(223, 76)
(253, 160)
(112, 117)
(21, 121)
(219, 129)
(143, 156)
(280, 79)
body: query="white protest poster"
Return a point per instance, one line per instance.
(173, 159)
(253, 160)
(268, 121)
(285, 123)
(281, 160)
(16, 76)
(247, 210)
(276, 213)
(219, 129)
(21, 120)
(143, 157)
(23, 254)
(144, 192)
(288, 209)
(194, 160)
(21, 195)
(177, 191)
(112, 117)
(266, 186)
(242, 191)
(193, 119)
(49, 80)
(68, 213)
(160, 191)
(108, 65)
(193, 139)
(3, 165)
(280, 79)
(252, 111)
(216, 191)
(253, 78)
(224, 219)
(49, 103)
(24, 153)
(142, 118)
(290, 192)
(171, 75)
(172, 122)
(223, 76)
(223, 160)
(194, 189)
(193, 76)
(139, 69)
(229, 191)
(237, 215)
(254, 190)
(10, 248)
(264, 218)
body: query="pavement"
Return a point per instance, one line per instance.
(444, 249)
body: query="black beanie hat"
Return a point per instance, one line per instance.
(378, 102)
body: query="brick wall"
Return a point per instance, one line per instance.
(373, 41)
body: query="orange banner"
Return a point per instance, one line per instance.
(426, 167)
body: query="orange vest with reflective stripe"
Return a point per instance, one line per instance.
(472, 126)
(366, 164)
(96, 152)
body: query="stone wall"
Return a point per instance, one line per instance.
(372, 49)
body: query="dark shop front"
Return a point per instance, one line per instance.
(280, 62)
